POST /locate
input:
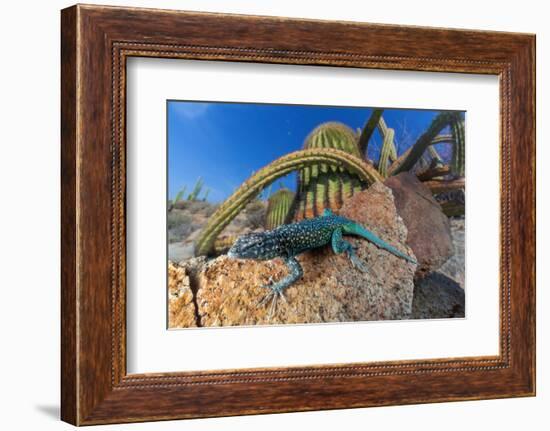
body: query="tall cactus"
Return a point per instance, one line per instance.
(459, 138)
(442, 120)
(388, 152)
(368, 130)
(278, 206)
(277, 169)
(323, 186)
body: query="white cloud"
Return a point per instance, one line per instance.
(191, 110)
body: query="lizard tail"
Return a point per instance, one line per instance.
(357, 229)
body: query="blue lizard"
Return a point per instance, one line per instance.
(289, 240)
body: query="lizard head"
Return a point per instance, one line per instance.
(257, 245)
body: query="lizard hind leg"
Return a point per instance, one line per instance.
(340, 245)
(277, 288)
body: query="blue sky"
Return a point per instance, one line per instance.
(224, 143)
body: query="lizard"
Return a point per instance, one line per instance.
(289, 240)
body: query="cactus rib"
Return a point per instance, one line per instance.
(265, 176)
(458, 162)
(278, 206)
(388, 151)
(321, 185)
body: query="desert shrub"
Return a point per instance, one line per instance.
(180, 232)
(178, 218)
(181, 204)
(255, 214)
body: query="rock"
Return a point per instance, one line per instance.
(429, 229)
(437, 297)
(181, 308)
(192, 268)
(331, 290)
(455, 267)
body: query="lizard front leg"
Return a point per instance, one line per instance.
(295, 272)
(340, 245)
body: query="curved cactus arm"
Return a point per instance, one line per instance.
(458, 160)
(265, 176)
(388, 151)
(426, 139)
(440, 139)
(384, 130)
(368, 130)
(437, 140)
(434, 155)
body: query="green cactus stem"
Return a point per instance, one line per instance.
(278, 206)
(322, 186)
(368, 130)
(442, 120)
(193, 196)
(180, 194)
(267, 175)
(223, 244)
(458, 159)
(388, 152)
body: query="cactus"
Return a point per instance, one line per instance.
(278, 206)
(434, 154)
(193, 196)
(368, 130)
(179, 195)
(267, 175)
(322, 186)
(222, 244)
(388, 152)
(411, 156)
(205, 195)
(457, 164)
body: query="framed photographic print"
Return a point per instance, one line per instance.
(253, 205)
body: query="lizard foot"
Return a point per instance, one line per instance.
(274, 295)
(358, 263)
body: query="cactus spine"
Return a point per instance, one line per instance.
(322, 186)
(267, 175)
(278, 206)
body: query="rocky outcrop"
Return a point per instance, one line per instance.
(429, 232)
(331, 290)
(181, 308)
(437, 296)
